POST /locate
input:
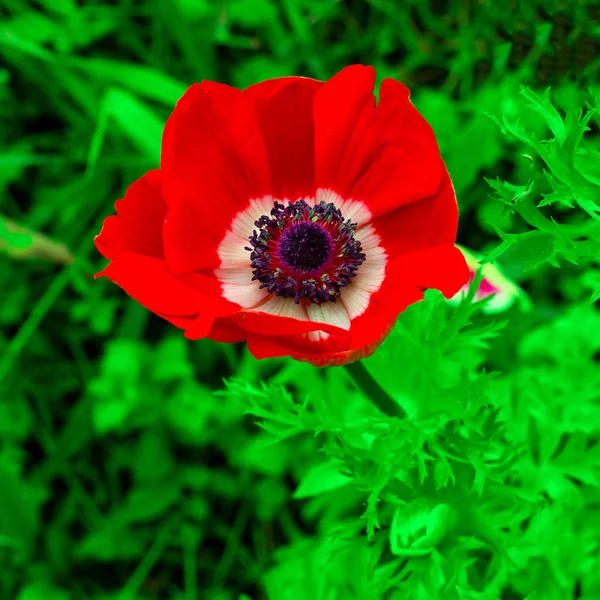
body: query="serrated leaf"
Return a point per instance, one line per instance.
(465, 594)
(536, 247)
(544, 107)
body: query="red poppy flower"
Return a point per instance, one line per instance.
(296, 215)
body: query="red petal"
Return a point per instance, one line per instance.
(138, 224)
(422, 224)
(180, 322)
(405, 162)
(149, 281)
(381, 314)
(385, 156)
(214, 161)
(225, 332)
(274, 326)
(344, 110)
(336, 359)
(298, 347)
(264, 347)
(200, 327)
(443, 268)
(221, 330)
(111, 239)
(284, 108)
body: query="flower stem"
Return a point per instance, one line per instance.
(373, 391)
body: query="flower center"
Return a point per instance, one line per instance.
(305, 252)
(305, 246)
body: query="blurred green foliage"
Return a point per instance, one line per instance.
(128, 469)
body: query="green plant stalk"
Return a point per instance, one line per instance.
(373, 391)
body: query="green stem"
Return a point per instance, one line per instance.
(155, 551)
(365, 382)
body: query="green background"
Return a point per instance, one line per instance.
(123, 475)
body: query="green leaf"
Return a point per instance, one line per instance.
(42, 590)
(22, 243)
(320, 479)
(116, 393)
(138, 122)
(153, 457)
(263, 13)
(544, 107)
(16, 418)
(12, 40)
(418, 527)
(140, 80)
(172, 361)
(262, 456)
(465, 594)
(271, 496)
(20, 502)
(12, 240)
(536, 247)
(114, 542)
(149, 502)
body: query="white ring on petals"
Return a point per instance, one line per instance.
(235, 272)
(370, 274)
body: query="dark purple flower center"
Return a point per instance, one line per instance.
(305, 252)
(305, 246)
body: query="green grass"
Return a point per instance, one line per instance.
(123, 475)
